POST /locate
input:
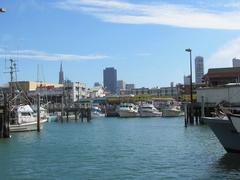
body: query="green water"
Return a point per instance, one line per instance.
(115, 148)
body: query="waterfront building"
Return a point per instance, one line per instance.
(221, 76)
(121, 85)
(130, 86)
(110, 79)
(61, 75)
(96, 92)
(33, 85)
(214, 95)
(163, 91)
(236, 62)
(74, 91)
(199, 69)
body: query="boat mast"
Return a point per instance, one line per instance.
(12, 71)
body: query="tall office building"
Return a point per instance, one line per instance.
(199, 69)
(236, 62)
(61, 75)
(110, 79)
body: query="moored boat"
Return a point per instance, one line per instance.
(24, 119)
(148, 110)
(225, 132)
(128, 110)
(96, 112)
(172, 111)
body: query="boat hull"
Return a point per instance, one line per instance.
(150, 114)
(226, 134)
(126, 114)
(31, 126)
(171, 113)
(97, 115)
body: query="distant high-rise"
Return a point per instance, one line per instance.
(110, 79)
(121, 85)
(236, 62)
(130, 86)
(199, 69)
(96, 84)
(61, 76)
(187, 80)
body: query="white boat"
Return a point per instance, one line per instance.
(172, 111)
(24, 120)
(226, 127)
(128, 110)
(43, 112)
(148, 110)
(169, 107)
(96, 112)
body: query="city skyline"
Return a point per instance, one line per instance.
(136, 37)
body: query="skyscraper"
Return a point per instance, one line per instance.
(110, 79)
(61, 76)
(199, 69)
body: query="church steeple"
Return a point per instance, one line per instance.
(61, 76)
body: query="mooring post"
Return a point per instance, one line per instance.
(75, 113)
(88, 110)
(67, 113)
(82, 110)
(38, 112)
(62, 109)
(6, 118)
(202, 109)
(191, 114)
(185, 115)
(1, 121)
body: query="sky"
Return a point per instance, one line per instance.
(145, 40)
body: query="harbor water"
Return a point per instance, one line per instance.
(117, 148)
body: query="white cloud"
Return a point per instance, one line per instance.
(44, 56)
(224, 55)
(116, 11)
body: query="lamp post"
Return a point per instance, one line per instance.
(190, 53)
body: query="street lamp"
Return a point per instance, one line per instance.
(2, 10)
(190, 53)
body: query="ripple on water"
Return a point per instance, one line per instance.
(116, 148)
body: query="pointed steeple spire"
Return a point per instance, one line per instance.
(61, 75)
(61, 69)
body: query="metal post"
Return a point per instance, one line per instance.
(191, 96)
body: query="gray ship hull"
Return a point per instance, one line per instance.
(226, 133)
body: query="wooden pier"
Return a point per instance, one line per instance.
(196, 111)
(74, 111)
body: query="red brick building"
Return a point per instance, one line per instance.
(221, 76)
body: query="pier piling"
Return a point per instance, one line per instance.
(4, 118)
(38, 112)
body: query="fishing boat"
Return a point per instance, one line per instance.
(23, 119)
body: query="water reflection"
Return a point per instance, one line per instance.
(229, 161)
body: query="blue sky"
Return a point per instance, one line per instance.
(143, 39)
